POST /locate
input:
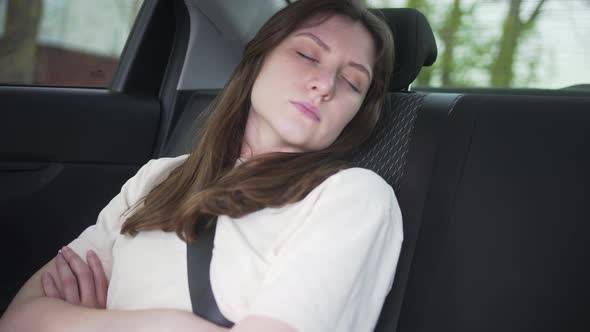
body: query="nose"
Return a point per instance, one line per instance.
(322, 84)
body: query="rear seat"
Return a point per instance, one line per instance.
(401, 152)
(504, 243)
(493, 193)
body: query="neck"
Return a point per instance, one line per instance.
(260, 138)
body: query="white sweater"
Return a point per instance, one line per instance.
(324, 263)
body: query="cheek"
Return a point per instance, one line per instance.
(265, 86)
(350, 109)
(345, 113)
(279, 76)
(282, 64)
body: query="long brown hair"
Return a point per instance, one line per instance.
(207, 184)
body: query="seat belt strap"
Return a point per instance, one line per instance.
(199, 263)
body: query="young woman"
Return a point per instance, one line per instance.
(303, 242)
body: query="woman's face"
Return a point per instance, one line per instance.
(310, 86)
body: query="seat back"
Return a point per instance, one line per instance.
(403, 151)
(505, 238)
(398, 151)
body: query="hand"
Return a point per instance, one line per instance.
(77, 282)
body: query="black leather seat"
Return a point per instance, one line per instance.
(505, 237)
(494, 193)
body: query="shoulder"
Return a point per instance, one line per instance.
(357, 190)
(150, 175)
(362, 175)
(362, 195)
(161, 167)
(358, 181)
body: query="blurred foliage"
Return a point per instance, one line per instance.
(93, 30)
(18, 43)
(468, 54)
(514, 30)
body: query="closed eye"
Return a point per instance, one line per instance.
(351, 85)
(307, 57)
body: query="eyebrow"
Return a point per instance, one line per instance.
(327, 48)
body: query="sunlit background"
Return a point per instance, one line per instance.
(482, 43)
(550, 48)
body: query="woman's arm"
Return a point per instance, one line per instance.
(78, 282)
(31, 310)
(32, 289)
(50, 314)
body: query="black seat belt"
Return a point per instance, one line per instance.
(199, 261)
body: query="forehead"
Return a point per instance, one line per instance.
(342, 35)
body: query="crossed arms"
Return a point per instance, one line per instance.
(69, 293)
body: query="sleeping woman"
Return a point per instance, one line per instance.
(303, 240)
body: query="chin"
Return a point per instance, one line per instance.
(293, 145)
(294, 134)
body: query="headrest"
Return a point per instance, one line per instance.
(415, 46)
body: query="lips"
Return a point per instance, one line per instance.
(307, 109)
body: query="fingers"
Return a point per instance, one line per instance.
(49, 286)
(69, 284)
(78, 282)
(100, 278)
(82, 289)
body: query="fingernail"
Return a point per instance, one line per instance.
(60, 256)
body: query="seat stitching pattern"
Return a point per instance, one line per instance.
(385, 151)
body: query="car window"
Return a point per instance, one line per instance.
(505, 43)
(75, 43)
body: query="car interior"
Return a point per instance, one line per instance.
(493, 184)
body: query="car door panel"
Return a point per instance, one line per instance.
(64, 153)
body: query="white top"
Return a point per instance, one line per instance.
(324, 263)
